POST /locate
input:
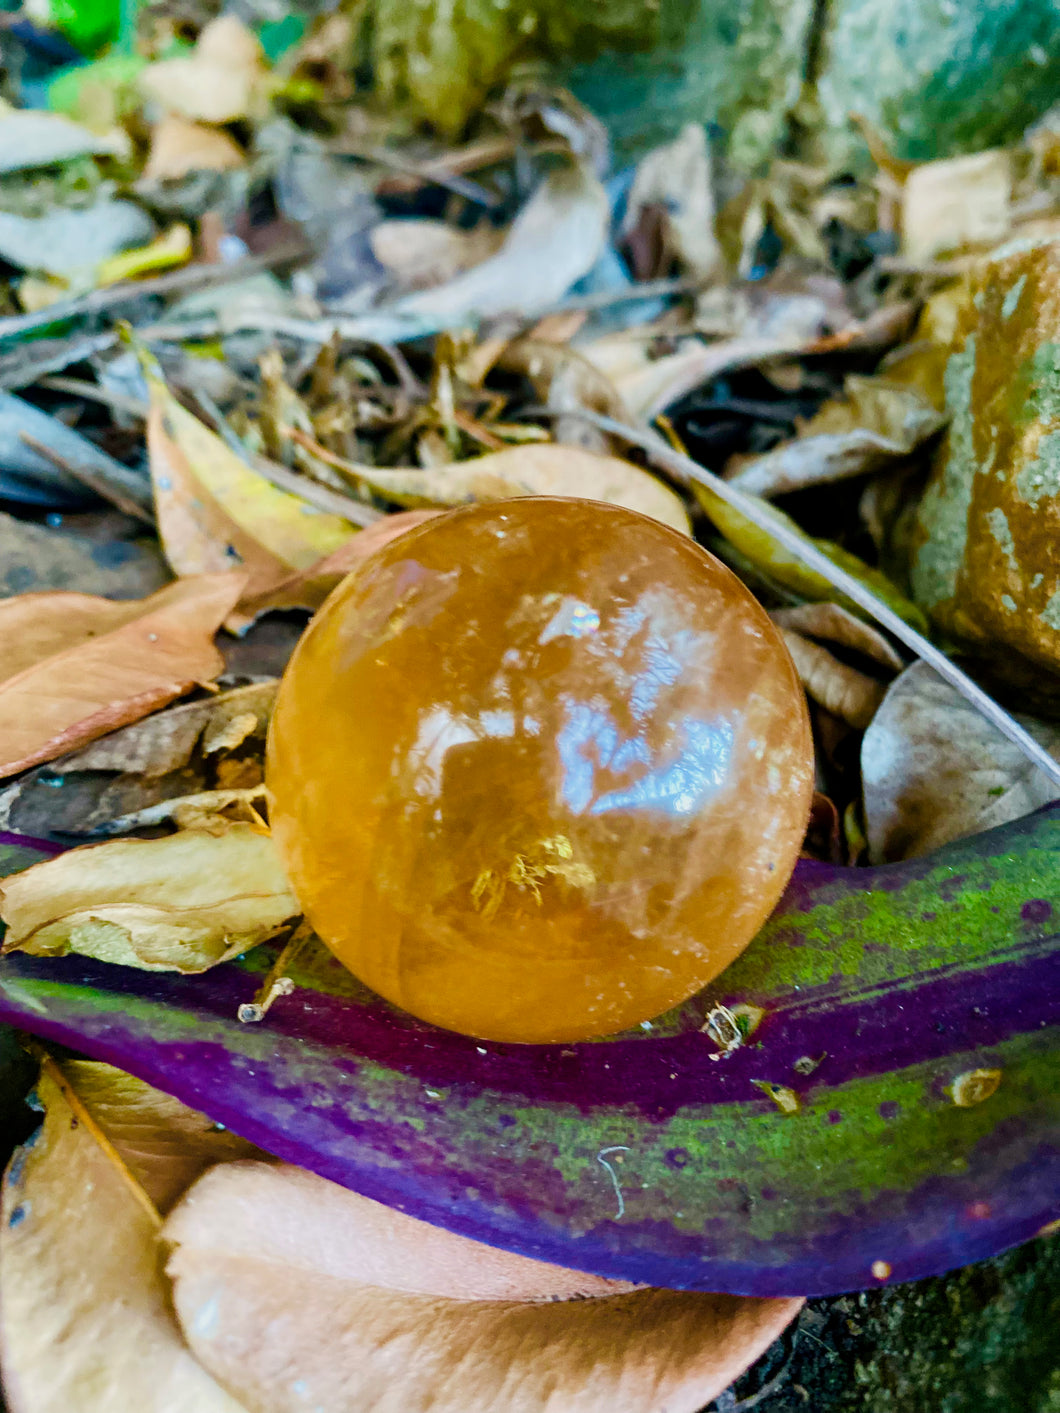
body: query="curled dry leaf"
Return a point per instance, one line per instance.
(76, 667)
(676, 179)
(774, 559)
(85, 1318)
(294, 1293)
(420, 253)
(164, 742)
(210, 810)
(839, 688)
(181, 903)
(311, 587)
(934, 769)
(877, 423)
(556, 239)
(835, 624)
(215, 512)
(649, 385)
(222, 81)
(544, 469)
(180, 147)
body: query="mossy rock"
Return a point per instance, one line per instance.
(985, 565)
(937, 77)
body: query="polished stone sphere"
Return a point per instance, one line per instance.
(539, 769)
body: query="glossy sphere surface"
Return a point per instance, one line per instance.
(539, 769)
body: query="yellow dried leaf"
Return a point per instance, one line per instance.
(170, 249)
(541, 470)
(769, 555)
(843, 690)
(214, 511)
(181, 903)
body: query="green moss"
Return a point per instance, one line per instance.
(1051, 613)
(999, 528)
(980, 1340)
(943, 514)
(1040, 478)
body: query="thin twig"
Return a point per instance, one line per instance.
(88, 478)
(183, 281)
(92, 392)
(82, 1114)
(386, 325)
(335, 504)
(277, 983)
(628, 294)
(430, 174)
(688, 472)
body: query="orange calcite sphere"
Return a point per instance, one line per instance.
(539, 769)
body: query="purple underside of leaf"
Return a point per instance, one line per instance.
(651, 1156)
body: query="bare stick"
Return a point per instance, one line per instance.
(111, 297)
(688, 472)
(55, 1073)
(277, 983)
(91, 480)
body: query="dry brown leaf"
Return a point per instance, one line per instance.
(295, 1295)
(955, 203)
(180, 147)
(181, 903)
(876, 424)
(422, 253)
(164, 742)
(311, 587)
(288, 1217)
(222, 81)
(542, 469)
(676, 178)
(842, 690)
(934, 770)
(836, 624)
(85, 1321)
(76, 667)
(649, 385)
(565, 382)
(555, 240)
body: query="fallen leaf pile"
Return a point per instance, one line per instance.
(282, 1291)
(275, 290)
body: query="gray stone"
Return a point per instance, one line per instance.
(736, 63)
(938, 76)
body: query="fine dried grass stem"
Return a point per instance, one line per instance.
(83, 1115)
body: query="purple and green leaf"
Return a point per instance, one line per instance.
(824, 1153)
